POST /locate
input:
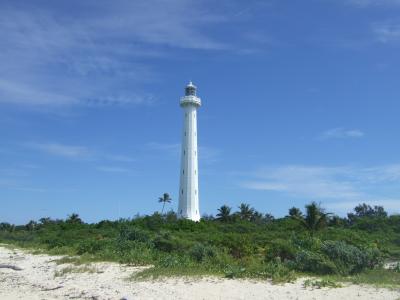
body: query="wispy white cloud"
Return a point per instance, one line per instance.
(111, 169)
(341, 133)
(51, 58)
(173, 148)
(209, 154)
(77, 151)
(60, 149)
(119, 158)
(387, 32)
(305, 181)
(392, 205)
(341, 187)
(367, 3)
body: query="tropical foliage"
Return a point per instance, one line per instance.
(243, 243)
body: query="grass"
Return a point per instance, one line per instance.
(323, 283)
(74, 269)
(161, 272)
(376, 277)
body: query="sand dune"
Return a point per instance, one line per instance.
(42, 278)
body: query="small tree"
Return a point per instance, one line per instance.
(224, 213)
(295, 212)
(45, 221)
(245, 212)
(315, 218)
(164, 199)
(6, 227)
(31, 225)
(74, 219)
(269, 218)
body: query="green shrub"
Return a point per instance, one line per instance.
(397, 268)
(134, 234)
(89, 246)
(308, 261)
(350, 259)
(200, 252)
(136, 253)
(172, 261)
(306, 242)
(321, 283)
(232, 272)
(283, 249)
(278, 271)
(238, 246)
(167, 243)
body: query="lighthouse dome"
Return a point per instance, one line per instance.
(190, 89)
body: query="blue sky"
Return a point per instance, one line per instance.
(300, 103)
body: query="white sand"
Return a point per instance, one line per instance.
(110, 281)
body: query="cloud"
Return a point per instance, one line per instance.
(77, 151)
(170, 148)
(340, 187)
(209, 154)
(305, 181)
(60, 149)
(120, 158)
(368, 3)
(392, 205)
(110, 169)
(341, 133)
(387, 32)
(94, 56)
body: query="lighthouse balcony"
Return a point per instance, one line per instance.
(190, 100)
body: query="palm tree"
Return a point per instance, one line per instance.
(164, 199)
(31, 225)
(246, 212)
(45, 221)
(315, 218)
(295, 212)
(224, 214)
(74, 219)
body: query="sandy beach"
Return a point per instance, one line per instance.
(40, 277)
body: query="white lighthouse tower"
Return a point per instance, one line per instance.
(189, 183)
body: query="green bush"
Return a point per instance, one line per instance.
(167, 243)
(89, 246)
(136, 253)
(134, 234)
(281, 248)
(172, 261)
(239, 246)
(350, 259)
(278, 271)
(317, 263)
(200, 252)
(232, 272)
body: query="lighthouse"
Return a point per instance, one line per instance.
(189, 178)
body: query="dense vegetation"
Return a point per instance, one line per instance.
(246, 243)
